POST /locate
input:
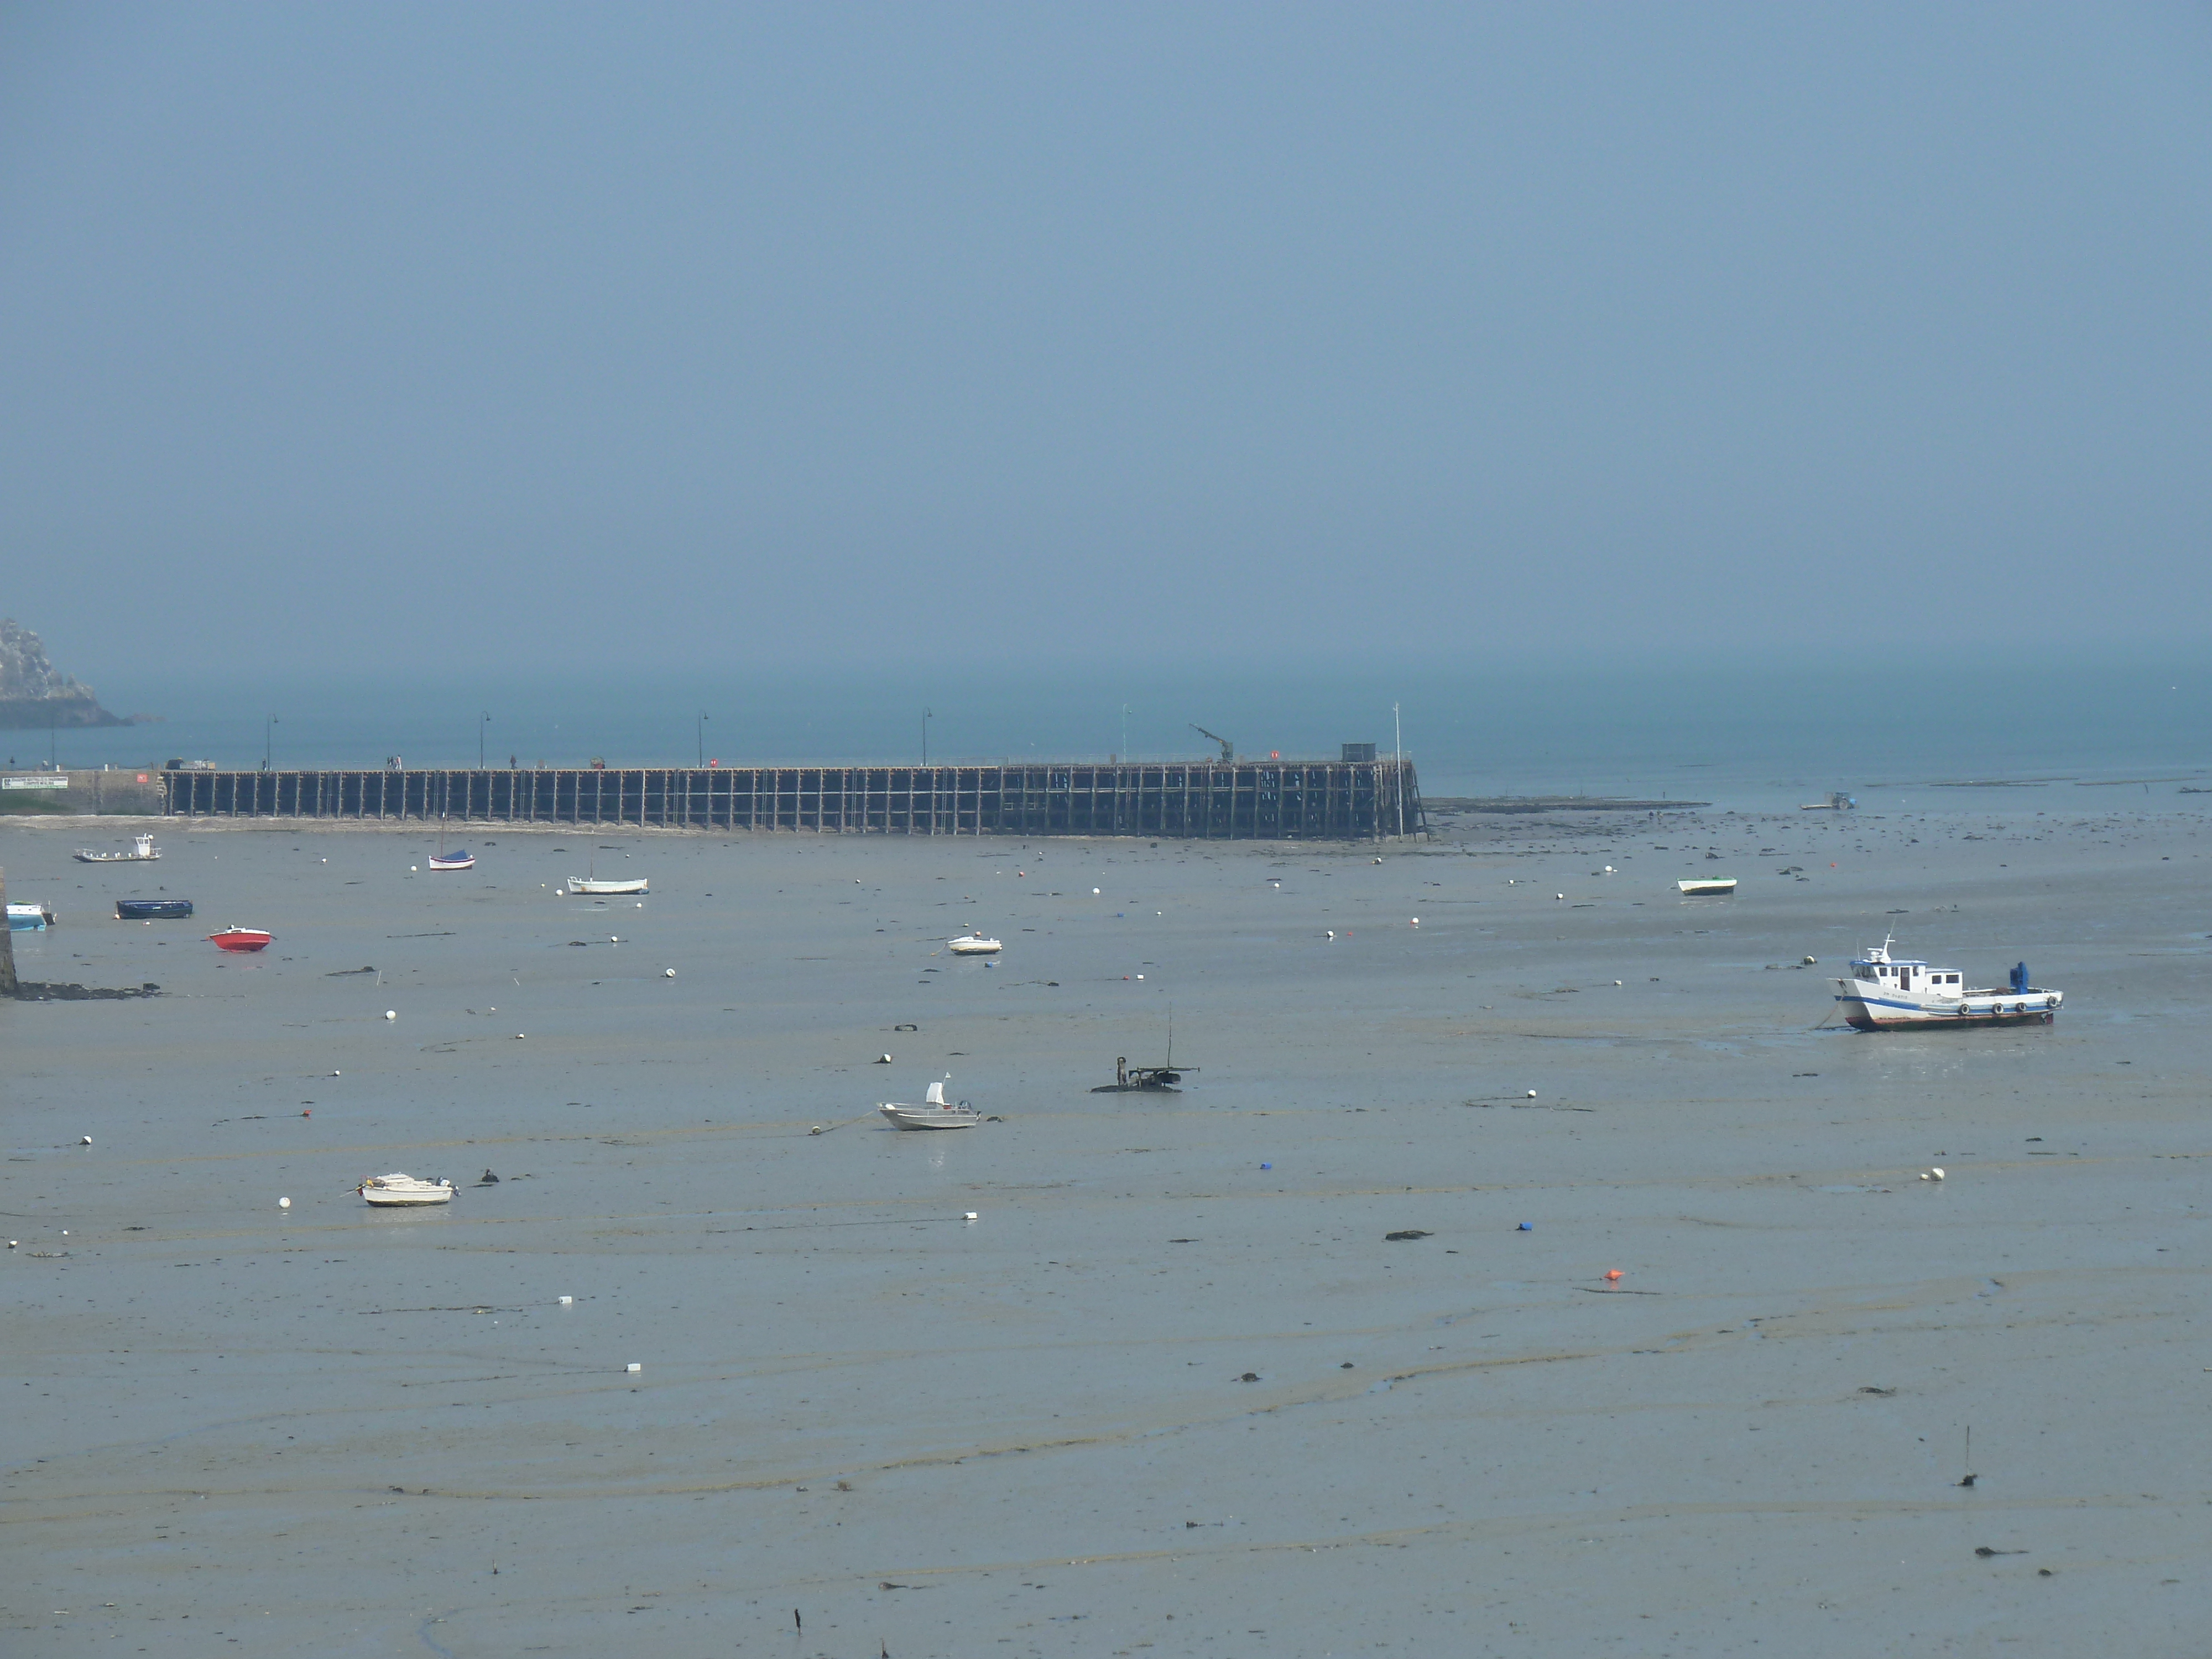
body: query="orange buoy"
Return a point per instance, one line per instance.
(1612, 1274)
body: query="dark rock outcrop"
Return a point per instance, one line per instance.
(33, 695)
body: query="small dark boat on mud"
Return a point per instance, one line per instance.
(152, 910)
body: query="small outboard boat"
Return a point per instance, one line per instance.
(29, 918)
(975, 944)
(934, 1113)
(152, 910)
(394, 1191)
(241, 938)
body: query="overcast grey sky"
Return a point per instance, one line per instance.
(644, 335)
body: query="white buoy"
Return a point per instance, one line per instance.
(1933, 1175)
(882, 1060)
(669, 973)
(1416, 921)
(1559, 896)
(88, 1143)
(283, 1203)
(567, 1301)
(1094, 892)
(970, 1216)
(633, 1367)
(1331, 933)
(412, 871)
(85, 1140)
(518, 1037)
(392, 1014)
(1616, 982)
(336, 1074)
(1532, 1094)
(612, 939)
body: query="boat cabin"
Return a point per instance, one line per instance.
(1909, 976)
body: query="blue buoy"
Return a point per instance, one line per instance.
(1267, 1166)
(1526, 1227)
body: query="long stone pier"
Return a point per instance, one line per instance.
(1234, 800)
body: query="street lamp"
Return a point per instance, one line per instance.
(268, 743)
(483, 720)
(926, 714)
(702, 736)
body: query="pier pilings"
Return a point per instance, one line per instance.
(1238, 800)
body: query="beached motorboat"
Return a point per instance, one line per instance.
(1889, 993)
(392, 1191)
(456, 861)
(29, 918)
(934, 1113)
(152, 910)
(975, 944)
(586, 887)
(142, 851)
(1702, 886)
(241, 938)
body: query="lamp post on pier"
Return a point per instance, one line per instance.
(926, 714)
(702, 736)
(483, 720)
(268, 743)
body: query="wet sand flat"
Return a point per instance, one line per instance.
(327, 1429)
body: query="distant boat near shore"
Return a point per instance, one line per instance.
(453, 861)
(975, 944)
(142, 851)
(1706, 886)
(29, 918)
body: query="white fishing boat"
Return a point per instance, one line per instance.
(934, 1113)
(391, 1191)
(1706, 886)
(975, 944)
(142, 850)
(453, 861)
(1890, 994)
(29, 918)
(588, 887)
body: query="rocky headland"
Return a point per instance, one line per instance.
(34, 695)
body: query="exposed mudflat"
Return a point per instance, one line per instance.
(1175, 1389)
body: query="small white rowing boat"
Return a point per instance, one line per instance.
(143, 850)
(1706, 885)
(586, 887)
(934, 1113)
(459, 861)
(975, 944)
(392, 1190)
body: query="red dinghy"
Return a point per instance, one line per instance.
(241, 938)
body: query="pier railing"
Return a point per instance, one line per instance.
(1240, 800)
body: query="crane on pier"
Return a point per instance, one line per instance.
(1228, 749)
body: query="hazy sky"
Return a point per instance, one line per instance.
(375, 336)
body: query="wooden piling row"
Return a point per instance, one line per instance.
(1241, 800)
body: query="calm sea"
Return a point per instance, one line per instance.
(1743, 737)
